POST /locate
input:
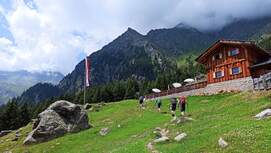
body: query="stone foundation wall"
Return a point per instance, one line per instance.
(242, 84)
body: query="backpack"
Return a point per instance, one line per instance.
(182, 100)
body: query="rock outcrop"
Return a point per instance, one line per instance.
(161, 135)
(104, 131)
(263, 114)
(180, 137)
(58, 119)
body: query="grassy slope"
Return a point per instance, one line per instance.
(229, 116)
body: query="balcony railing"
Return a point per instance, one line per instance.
(263, 82)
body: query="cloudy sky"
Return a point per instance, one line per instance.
(55, 35)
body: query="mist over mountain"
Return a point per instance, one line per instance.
(13, 83)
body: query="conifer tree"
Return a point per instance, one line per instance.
(24, 115)
(10, 116)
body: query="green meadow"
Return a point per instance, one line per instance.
(230, 116)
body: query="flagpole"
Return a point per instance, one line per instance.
(85, 89)
(85, 79)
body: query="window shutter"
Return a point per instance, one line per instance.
(230, 70)
(214, 75)
(220, 55)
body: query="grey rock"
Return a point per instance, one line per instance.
(159, 132)
(222, 143)
(5, 132)
(263, 114)
(104, 131)
(162, 139)
(58, 119)
(180, 137)
(88, 106)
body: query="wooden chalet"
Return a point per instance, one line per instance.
(231, 65)
(231, 59)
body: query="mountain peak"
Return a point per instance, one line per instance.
(132, 33)
(185, 26)
(131, 30)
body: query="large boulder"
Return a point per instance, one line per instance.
(59, 118)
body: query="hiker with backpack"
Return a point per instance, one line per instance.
(158, 103)
(182, 104)
(173, 102)
(141, 102)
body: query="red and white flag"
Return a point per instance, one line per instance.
(87, 71)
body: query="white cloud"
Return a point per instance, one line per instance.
(54, 34)
(4, 42)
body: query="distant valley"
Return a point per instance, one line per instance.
(14, 83)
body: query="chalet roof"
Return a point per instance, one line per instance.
(202, 58)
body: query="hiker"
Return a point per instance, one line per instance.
(141, 102)
(182, 104)
(173, 106)
(158, 103)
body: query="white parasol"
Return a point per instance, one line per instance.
(176, 85)
(156, 90)
(189, 80)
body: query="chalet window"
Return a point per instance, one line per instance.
(218, 74)
(217, 56)
(234, 52)
(235, 70)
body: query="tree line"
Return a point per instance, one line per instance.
(15, 114)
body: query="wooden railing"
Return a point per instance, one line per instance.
(263, 82)
(189, 87)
